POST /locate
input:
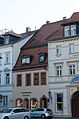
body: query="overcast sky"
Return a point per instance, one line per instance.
(19, 14)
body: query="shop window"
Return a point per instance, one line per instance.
(59, 102)
(43, 78)
(36, 79)
(18, 102)
(34, 103)
(28, 79)
(4, 100)
(19, 80)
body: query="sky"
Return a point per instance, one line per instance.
(16, 15)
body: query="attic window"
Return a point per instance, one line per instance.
(26, 59)
(70, 30)
(42, 57)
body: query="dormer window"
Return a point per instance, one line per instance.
(70, 30)
(67, 31)
(42, 57)
(26, 59)
(73, 30)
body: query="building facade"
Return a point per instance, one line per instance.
(63, 72)
(10, 44)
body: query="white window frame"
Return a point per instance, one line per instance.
(7, 78)
(7, 58)
(71, 48)
(71, 69)
(4, 100)
(26, 60)
(58, 49)
(59, 103)
(73, 30)
(67, 31)
(59, 70)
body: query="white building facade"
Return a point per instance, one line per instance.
(63, 75)
(9, 53)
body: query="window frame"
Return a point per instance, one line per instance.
(58, 50)
(42, 78)
(7, 78)
(19, 81)
(73, 30)
(35, 78)
(28, 84)
(71, 48)
(67, 31)
(71, 69)
(59, 103)
(59, 70)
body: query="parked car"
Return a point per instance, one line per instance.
(42, 112)
(15, 113)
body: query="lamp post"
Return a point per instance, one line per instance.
(50, 97)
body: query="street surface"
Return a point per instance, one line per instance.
(61, 118)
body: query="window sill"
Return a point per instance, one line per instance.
(58, 55)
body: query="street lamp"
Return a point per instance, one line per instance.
(49, 94)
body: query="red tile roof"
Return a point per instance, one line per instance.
(73, 19)
(46, 30)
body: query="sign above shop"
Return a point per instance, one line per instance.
(75, 80)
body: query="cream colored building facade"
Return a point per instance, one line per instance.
(63, 75)
(30, 94)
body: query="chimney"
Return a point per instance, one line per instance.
(47, 22)
(28, 29)
(64, 18)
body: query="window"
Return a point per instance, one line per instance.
(19, 80)
(0, 78)
(58, 49)
(42, 58)
(7, 78)
(28, 79)
(72, 69)
(59, 102)
(71, 48)
(73, 30)
(7, 58)
(1, 59)
(36, 79)
(43, 78)
(70, 30)
(67, 31)
(59, 70)
(26, 60)
(5, 100)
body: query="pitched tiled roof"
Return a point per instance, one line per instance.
(46, 30)
(73, 19)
